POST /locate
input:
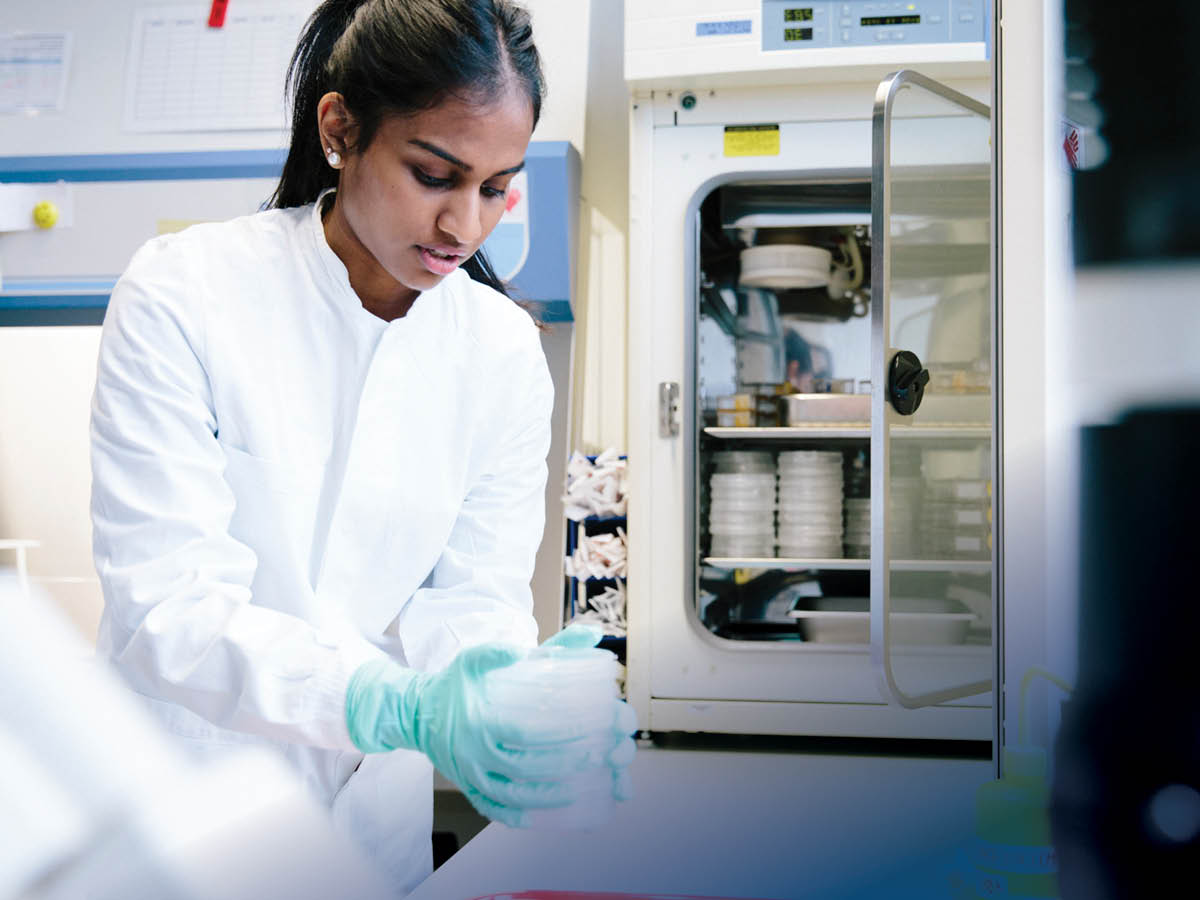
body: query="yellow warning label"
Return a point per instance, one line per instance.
(751, 140)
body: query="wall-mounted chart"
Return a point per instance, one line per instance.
(184, 75)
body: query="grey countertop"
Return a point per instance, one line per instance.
(746, 824)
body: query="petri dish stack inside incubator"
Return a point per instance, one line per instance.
(741, 510)
(572, 690)
(810, 504)
(955, 513)
(858, 527)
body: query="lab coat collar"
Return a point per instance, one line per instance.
(342, 293)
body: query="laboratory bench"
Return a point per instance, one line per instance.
(750, 820)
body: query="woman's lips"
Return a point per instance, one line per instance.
(439, 261)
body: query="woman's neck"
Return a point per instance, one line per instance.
(380, 293)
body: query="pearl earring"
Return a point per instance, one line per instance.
(333, 157)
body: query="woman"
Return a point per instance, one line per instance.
(319, 438)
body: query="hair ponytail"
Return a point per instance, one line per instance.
(305, 173)
(398, 57)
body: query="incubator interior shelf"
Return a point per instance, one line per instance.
(834, 431)
(948, 566)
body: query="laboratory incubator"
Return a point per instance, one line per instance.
(812, 381)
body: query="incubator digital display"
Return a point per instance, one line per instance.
(890, 20)
(797, 34)
(798, 15)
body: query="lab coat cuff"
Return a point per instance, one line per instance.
(334, 683)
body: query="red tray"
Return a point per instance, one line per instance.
(594, 895)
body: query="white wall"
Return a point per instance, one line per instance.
(46, 374)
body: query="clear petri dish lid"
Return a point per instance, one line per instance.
(761, 525)
(742, 479)
(815, 551)
(729, 545)
(742, 501)
(743, 454)
(739, 530)
(816, 508)
(744, 469)
(802, 484)
(810, 521)
(787, 455)
(552, 667)
(764, 485)
(795, 533)
(758, 551)
(824, 494)
(741, 546)
(810, 463)
(763, 489)
(740, 514)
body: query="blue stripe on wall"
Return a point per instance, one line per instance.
(98, 284)
(203, 164)
(54, 301)
(199, 164)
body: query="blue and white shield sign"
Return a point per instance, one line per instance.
(507, 247)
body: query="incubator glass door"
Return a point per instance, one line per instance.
(932, 401)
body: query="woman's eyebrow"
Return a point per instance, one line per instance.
(455, 161)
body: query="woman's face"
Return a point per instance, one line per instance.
(428, 189)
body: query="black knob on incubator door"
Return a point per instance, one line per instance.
(906, 382)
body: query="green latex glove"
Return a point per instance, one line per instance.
(576, 637)
(445, 715)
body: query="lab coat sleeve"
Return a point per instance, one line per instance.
(479, 590)
(179, 622)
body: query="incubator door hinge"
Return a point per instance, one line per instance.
(668, 409)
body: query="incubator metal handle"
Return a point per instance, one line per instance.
(906, 382)
(668, 409)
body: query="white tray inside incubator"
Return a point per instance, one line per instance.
(914, 620)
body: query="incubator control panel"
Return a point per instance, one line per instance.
(800, 25)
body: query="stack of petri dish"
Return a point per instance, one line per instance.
(956, 518)
(558, 691)
(858, 527)
(857, 511)
(741, 511)
(903, 528)
(905, 491)
(956, 515)
(810, 504)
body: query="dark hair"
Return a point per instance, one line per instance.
(398, 57)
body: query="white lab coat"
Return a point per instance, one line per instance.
(285, 486)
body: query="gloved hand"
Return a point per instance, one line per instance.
(445, 716)
(578, 636)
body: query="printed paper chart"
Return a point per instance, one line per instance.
(185, 76)
(33, 72)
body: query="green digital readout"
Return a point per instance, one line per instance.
(797, 34)
(798, 15)
(890, 20)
